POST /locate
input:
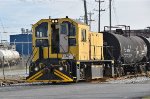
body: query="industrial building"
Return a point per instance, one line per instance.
(23, 43)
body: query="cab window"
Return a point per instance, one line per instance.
(64, 29)
(42, 43)
(41, 30)
(71, 28)
(72, 42)
(72, 31)
(83, 35)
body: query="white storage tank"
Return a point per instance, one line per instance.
(9, 55)
(16, 54)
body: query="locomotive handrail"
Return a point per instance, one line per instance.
(30, 58)
(31, 55)
(110, 53)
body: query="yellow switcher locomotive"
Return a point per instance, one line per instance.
(65, 50)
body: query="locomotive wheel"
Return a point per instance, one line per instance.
(142, 68)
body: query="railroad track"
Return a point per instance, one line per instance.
(22, 81)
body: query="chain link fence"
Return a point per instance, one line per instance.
(15, 72)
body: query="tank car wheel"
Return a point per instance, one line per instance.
(122, 71)
(148, 67)
(117, 71)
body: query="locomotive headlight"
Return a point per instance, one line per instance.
(56, 21)
(60, 68)
(53, 21)
(36, 68)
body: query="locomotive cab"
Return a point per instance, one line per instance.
(50, 45)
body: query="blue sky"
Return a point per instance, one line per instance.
(16, 14)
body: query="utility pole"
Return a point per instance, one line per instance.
(82, 18)
(100, 10)
(110, 24)
(85, 10)
(90, 19)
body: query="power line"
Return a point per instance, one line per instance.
(90, 18)
(2, 27)
(100, 10)
(82, 18)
